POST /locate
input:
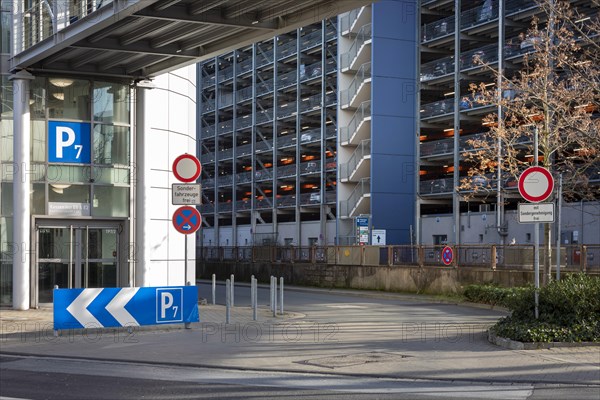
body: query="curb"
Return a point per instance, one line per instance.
(516, 345)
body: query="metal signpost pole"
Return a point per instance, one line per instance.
(558, 227)
(536, 238)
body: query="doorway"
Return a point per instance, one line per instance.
(76, 255)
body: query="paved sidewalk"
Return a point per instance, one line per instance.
(308, 343)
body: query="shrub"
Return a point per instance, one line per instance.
(569, 311)
(495, 295)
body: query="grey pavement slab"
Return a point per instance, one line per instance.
(345, 336)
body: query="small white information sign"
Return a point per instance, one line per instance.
(186, 194)
(69, 209)
(378, 237)
(533, 213)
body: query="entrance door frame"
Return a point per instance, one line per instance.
(124, 273)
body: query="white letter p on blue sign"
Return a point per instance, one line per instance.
(69, 142)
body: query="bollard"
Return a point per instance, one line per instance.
(274, 296)
(281, 295)
(214, 288)
(255, 301)
(187, 324)
(252, 291)
(227, 301)
(56, 333)
(232, 289)
(271, 294)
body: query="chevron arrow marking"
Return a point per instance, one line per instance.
(78, 308)
(116, 307)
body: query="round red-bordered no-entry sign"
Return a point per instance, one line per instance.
(536, 184)
(186, 168)
(447, 255)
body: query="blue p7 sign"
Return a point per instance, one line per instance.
(69, 142)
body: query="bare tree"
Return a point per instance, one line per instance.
(554, 96)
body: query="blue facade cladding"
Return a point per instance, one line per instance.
(393, 123)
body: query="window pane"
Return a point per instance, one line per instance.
(111, 145)
(38, 98)
(6, 199)
(5, 24)
(68, 98)
(69, 174)
(38, 199)
(6, 98)
(110, 201)
(60, 192)
(113, 176)
(38, 141)
(6, 140)
(111, 103)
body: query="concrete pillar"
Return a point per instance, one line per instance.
(21, 189)
(142, 190)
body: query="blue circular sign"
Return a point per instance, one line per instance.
(186, 220)
(447, 255)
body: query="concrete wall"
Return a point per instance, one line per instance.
(432, 280)
(580, 225)
(171, 111)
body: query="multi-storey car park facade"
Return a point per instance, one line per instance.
(303, 135)
(491, 32)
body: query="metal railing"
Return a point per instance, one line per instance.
(362, 151)
(362, 188)
(348, 19)
(472, 17)
(363, 35)
(363, 74)
(362, 113)
(574, 258)
(44, 18)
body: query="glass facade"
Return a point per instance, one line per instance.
(98, 186)
(6, 148)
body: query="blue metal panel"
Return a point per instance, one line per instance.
(393, 119)
(396, 19)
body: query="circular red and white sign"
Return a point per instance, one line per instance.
(186, 168)
(447, 255)
(536, 184)
(186, 220)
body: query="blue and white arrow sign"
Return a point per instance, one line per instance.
(124, 307)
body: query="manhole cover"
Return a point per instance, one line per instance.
(349, 360)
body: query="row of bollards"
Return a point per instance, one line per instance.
(230, 293)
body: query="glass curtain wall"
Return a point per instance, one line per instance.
(95, 185)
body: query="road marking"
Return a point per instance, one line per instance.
(300, 380)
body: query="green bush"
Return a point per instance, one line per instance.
(495, 295)
(569, 311)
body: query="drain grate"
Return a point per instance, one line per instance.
(349, 360)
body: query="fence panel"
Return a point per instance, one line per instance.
(405, 255)
(515, 257)
(349, 255)
(474, 256)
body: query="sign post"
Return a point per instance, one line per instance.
(535, 185)
(186, 220)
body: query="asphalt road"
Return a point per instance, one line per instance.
(355, 348)
(55, 378)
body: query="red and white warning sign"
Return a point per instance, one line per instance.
(186, 168)
(536, 184)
